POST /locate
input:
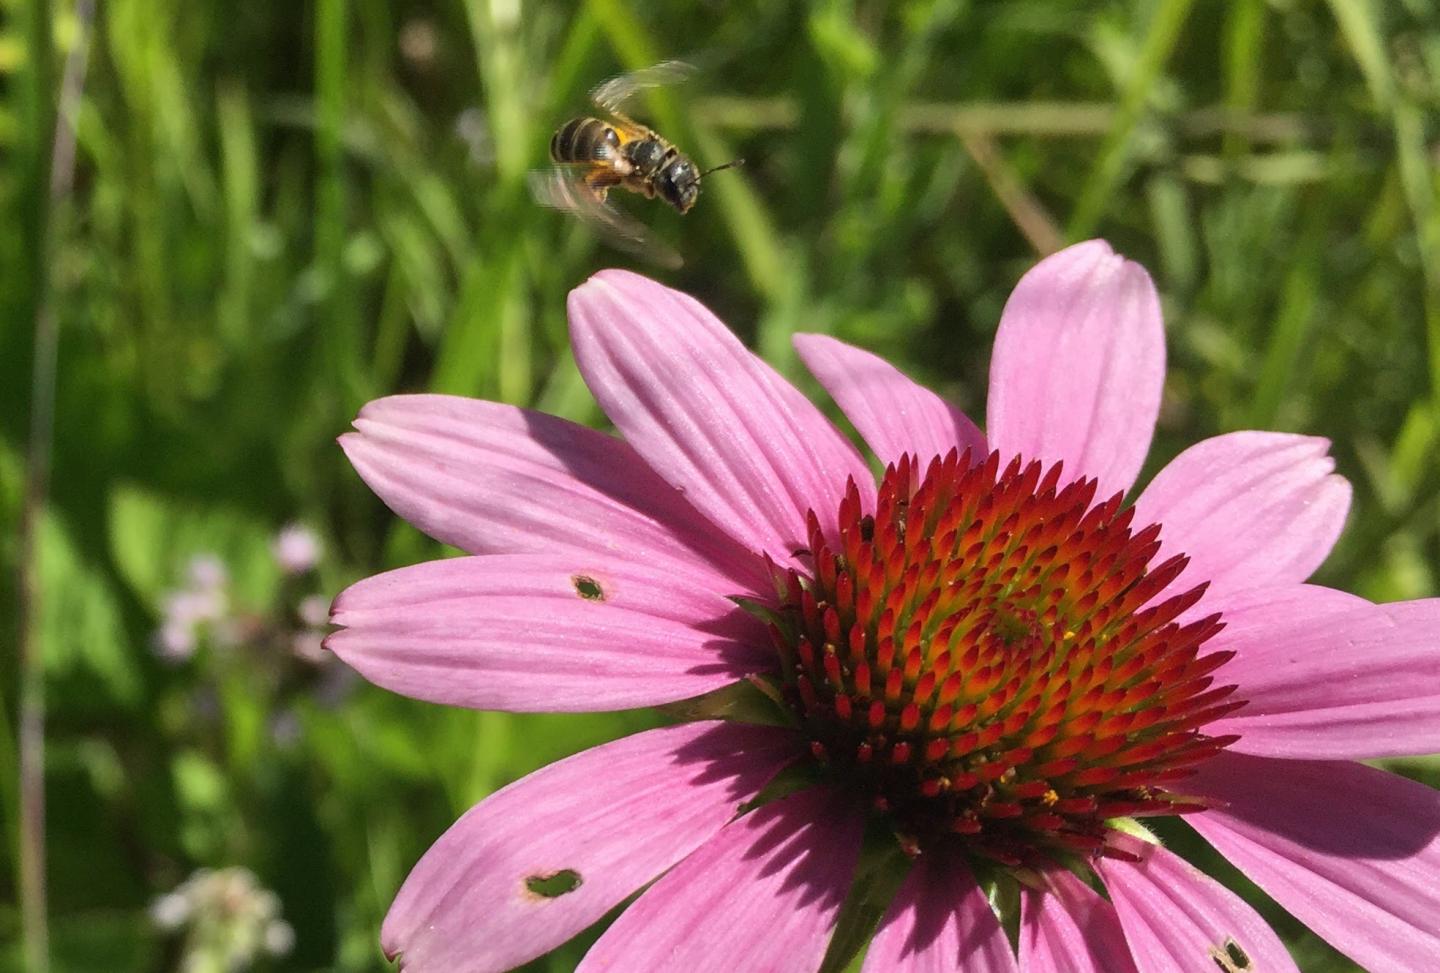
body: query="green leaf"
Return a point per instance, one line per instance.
(115, 941)
(1360, 23)
(152, 538)
(204, 793)
(81, 624)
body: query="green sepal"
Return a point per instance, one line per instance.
(762, 610)
(792, 779)
(878, 875)
(1134, 829)
(754, 699)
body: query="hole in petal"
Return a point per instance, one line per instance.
(588, 588)
(1230, 958)
(552, 885)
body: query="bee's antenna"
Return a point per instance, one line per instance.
(735, 164)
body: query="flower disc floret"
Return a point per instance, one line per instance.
(985, 657)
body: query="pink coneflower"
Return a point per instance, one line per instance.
(987, 655)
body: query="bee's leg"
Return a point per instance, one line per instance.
(599, 181)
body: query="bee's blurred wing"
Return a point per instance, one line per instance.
(614, 94)
(565, 189)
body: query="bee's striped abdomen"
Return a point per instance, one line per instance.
(583, 140)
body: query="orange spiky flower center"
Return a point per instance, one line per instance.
(982, 658)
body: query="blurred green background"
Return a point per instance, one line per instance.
(280, 211)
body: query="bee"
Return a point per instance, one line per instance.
(595, 155)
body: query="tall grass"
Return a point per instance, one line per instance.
(284, 210)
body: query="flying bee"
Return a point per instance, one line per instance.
(594, 155)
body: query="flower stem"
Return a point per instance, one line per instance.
(58, 172)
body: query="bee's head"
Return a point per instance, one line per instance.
(679, 184)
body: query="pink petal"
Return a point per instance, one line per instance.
(1248, 508)
(531, 632)
(747, 449)
(1255, 618)
(1350, 851)
(1069, 928)
(763, 894)
(616, 816)
(1078, 366)
(894, 414)
(493, 479)
(1175, 916)
(940, 921)
(1333, 677)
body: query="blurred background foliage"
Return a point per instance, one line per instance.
(280, 211)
